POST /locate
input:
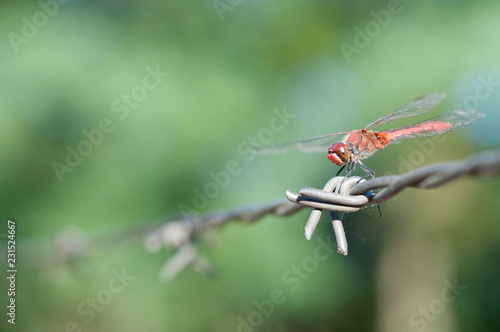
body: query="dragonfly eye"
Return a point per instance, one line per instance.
(339, 154)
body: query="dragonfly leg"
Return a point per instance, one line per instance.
(371, 173)
(341, 169)
(350, 168)
(364, 176)
(368, 171)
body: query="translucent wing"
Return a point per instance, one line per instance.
(416, 106)
(435, 126)
(314, 144)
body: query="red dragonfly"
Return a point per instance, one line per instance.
(360, 144)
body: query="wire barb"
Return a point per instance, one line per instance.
(351, 194)
(334, 197)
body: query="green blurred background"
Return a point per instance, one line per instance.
(230, 64)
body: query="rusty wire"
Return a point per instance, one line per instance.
(339, 195)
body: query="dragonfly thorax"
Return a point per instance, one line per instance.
(339, 154)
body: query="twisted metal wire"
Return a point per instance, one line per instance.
(485, 164)
(339, 195)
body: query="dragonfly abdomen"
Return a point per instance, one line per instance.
(419, 130)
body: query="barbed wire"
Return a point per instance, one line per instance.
(338, 195)
(352, 194)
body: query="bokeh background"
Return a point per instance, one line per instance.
(231, 65)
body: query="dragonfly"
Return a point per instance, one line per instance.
(357, 145)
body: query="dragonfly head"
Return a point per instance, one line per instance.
(339, 154)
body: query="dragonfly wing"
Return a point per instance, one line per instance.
(416, 106)
(432, 127)
(314, 144)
